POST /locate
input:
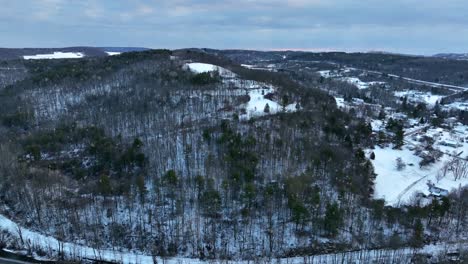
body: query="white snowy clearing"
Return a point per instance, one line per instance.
(198, 67)
(330, 73)
(72, 251)
(340, 102)
(416, 96)
(112, 53)
(358, 83)
(56, 55)
(259, 105)
(399, 186)
(351, 80)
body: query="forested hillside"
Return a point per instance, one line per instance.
(141, 152)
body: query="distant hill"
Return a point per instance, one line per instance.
(453, 56)
(13, 54)
(123, 49)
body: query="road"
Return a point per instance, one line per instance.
(12, 261)
(421, 82)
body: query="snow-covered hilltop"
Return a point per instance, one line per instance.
(55, 55)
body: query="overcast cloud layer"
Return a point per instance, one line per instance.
(407, 26)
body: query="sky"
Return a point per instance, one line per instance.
(405, 26)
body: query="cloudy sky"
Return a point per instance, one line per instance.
(407, 26)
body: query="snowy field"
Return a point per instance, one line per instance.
(358, 83)
(351, 80)
(400, 186)
(198, 67)
(416, 96)
(56, 55)
(340, 103)
(258, 105)
(111, 53)
(457, 105)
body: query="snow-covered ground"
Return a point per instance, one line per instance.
(457, 105)
(351, 80)
(358, 83)
(417, 96)
(56, 55)
(198, 67)
(258, 103)
(111, 53)
(399, 186)
(330, 73)
(340, 102)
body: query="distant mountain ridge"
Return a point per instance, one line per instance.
(19, 53)
(123, 49)
(452, 56)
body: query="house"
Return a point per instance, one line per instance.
(399, 116)
(436, 191)
(449, 143)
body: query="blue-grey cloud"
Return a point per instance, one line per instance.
(410, 26)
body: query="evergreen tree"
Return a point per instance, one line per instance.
(333, 219)
(267, 108)
(382, 115)
(399, 137)
(417, 240)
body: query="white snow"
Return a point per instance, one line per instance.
(248, 66)
(457, 105)
(56, 55)
(112, 53)
(358, 83)
(202, 67)
(416, 96)
(329, 74)
(198, 67)
(377, 125)
(340, 102)
(256, 105)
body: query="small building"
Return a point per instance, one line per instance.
(449, 143)
(399, 116)
(436, 191)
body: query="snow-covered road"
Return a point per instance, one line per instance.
(432, 84)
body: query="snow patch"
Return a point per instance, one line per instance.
(56, 55)
(416, 96)
(198, 67)
(358, 83)
(257, 106)
(111, 53)
(340, 102)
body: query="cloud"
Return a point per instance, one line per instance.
(93, 10)
(47, 8)
(144, 10)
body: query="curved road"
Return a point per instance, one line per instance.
(13, 261)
